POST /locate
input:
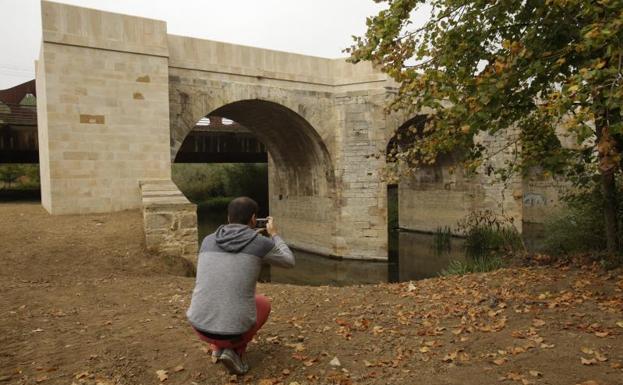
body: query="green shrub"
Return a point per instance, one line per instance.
(483, 241)
(579, 225)
(490, 240)
(489, 234)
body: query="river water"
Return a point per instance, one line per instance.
(412, 256)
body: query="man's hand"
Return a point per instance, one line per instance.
(271, 229)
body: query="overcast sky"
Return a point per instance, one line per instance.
(311, 27)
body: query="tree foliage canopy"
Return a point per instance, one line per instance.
(541, 67)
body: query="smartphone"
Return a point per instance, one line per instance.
(261, 222)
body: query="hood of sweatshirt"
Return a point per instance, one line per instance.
(234, 237)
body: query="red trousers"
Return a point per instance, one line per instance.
(262, 308)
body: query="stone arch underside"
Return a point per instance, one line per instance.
(301, 174)
(441, 194)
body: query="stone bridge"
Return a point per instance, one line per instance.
(117, 96)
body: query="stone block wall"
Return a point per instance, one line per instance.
(441, 195)
(362, 195)
(542, 196)
(104, 112)
(169, 220)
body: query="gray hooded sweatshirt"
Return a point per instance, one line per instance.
(230, 259)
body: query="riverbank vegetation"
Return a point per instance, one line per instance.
(491, 242)
(19, 182)
(578, 227)
(19, 176)
(214, 185)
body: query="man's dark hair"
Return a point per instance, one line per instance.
(241, 209)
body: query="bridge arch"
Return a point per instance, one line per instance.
(302, 184)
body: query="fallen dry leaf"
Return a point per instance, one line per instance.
(335, 362)
(299, 347)
(538, 322)
(602, 334)
(450, 357)
(267, 381)
(500, 361)
(178, 368)
(162, 375)
(586, 350)
(590, 361)
(514, 376)
(536, 373)
(620, 324)
(600, 357)
(518, 350)
(81, 375)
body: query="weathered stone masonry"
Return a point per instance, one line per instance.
(118, 95)
(169, 219)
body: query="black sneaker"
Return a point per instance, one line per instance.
(233, 362)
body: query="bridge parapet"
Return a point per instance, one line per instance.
(169, 220)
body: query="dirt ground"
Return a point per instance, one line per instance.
(81, 303)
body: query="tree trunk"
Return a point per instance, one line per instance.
(606, 148)
(608, 188)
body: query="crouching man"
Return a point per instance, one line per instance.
(224, 310)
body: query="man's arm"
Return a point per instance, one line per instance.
(280, 254)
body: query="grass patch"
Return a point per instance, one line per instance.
(442, 240)
(489, 241)
(474, 265)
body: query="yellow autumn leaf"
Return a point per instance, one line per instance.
(586, 350)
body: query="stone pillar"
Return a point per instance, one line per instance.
(362, 205)
(169, 220)
(104, 110)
